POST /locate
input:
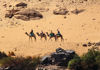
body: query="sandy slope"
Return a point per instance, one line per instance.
(76, 29)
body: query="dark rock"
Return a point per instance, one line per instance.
(5, 5)
(46, 60)
(28, 14)
(42, 9)
(60, 11)
(22, 17)
(89, 44)
(21, 4)
(65, 17)
(85, 0)
(70, 51)
(84, 45)
(97, 44)
(59, 50)
(11, 13)
(10, 5)
(76, 11)
(61, 57)
(39, 0)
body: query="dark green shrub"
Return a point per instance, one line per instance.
(88, 60)
(20, 63)
(75, 63)
(98, 61)
(4, 61)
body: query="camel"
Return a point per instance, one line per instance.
(59, 36)
(56, 36)
(42, 35)
(51, 35)
(30, 37)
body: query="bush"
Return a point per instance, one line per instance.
(98, 61)
(74, 64)
(20, 63)
(5, 61)
(89, 61)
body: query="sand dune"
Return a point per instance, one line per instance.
(76, 29)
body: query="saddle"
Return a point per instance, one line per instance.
(31, 34)
(58, 34)
(51, 34)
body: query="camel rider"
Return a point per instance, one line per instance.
(41, 32)
(31, 33)
(58, 33)
(51, 34)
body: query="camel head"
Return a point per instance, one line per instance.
(38, 34)
(47, 33)
(27, 34)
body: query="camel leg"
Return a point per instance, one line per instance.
(41, 38)
(50, 38)
(56, 38)
(45, 38)
(62, 39)
(29, 38)
(35, 38)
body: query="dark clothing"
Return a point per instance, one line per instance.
(58, 33)
(42, 33)
(51, 34)
(31, 33)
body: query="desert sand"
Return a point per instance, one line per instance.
(76, 29)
